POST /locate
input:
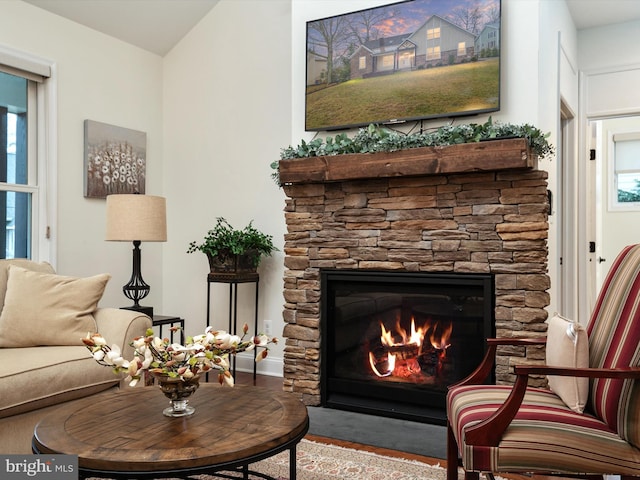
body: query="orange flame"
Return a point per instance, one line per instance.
(416, 337)
(391, 365)
(438, 335)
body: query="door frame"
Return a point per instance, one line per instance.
(567, 213)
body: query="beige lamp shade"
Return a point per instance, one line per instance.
(136, 217)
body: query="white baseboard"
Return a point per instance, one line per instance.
(271, 366)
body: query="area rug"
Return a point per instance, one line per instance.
(324, 461)
(321, 461)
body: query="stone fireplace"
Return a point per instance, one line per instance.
(479, 209)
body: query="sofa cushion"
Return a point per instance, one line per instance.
(568, 346)
(48, 309)
(35, 377)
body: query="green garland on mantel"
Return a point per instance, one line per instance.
(376, 138)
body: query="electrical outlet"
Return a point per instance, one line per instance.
(267, 327)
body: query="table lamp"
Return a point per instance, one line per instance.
(136, 218)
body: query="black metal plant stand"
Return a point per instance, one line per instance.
(234, 280)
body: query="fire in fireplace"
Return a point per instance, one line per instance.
(411, 357)
(394, 341)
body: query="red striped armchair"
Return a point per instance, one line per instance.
(522, 429)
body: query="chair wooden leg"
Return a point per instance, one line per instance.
(452, 455)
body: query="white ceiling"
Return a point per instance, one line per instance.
(157, 25)
(154, 25)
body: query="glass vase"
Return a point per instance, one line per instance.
(178, 392)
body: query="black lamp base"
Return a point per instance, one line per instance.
(139, 308)
(137, 289)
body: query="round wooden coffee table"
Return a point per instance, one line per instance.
(124, 434)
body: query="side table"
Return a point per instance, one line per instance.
(161, 320)
(234, 280)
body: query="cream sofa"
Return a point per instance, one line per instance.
(45, 364)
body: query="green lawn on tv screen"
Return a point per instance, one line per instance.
(412, 94)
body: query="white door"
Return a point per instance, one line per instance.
(617, 203)
(405, 61)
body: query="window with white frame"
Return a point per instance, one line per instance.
(24, 131)
(624, 171)
(433, 53)
(17, 167)
(362, 62)
(462, 49)
(433, 33)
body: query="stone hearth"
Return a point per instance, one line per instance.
(493, 222)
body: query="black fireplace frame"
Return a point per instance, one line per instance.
(391, 400)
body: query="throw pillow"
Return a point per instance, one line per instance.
(43, 267)
(568, 346)
(48, 309)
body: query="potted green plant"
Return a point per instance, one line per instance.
(234, 251)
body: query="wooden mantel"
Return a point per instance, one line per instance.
(491, 155)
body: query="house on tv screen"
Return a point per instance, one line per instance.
(437, 42)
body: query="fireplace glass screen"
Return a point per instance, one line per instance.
(393, 341)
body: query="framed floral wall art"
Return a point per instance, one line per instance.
(114, 160)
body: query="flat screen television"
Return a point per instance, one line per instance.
(406, 61)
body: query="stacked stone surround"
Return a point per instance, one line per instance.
(490, 222)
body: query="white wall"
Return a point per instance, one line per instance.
(557, 81)
(227, 110)
(608, 46)
(102, 79)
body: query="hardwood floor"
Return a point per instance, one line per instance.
(266, 381)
